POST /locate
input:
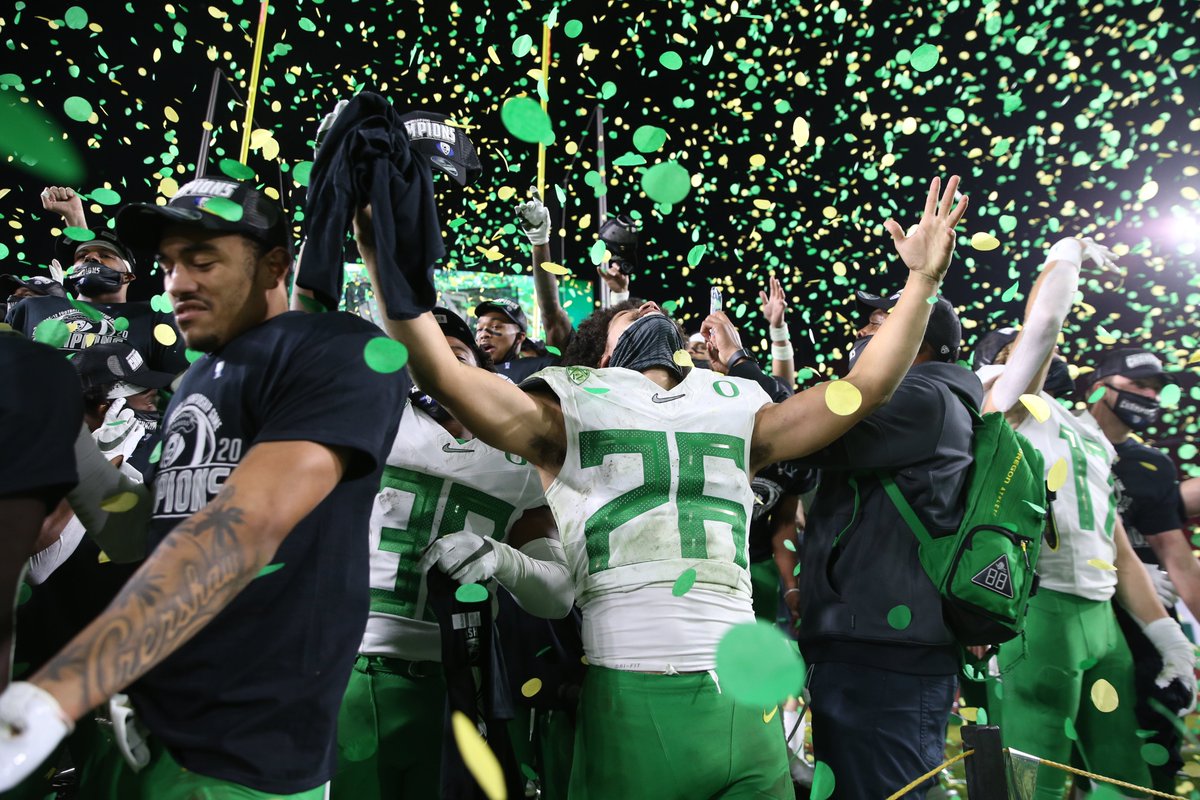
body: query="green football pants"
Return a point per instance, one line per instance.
(673, 737)
(1054, 693)
(390, 731)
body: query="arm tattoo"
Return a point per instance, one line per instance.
(188, 579)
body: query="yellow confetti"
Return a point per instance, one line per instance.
(1104, 696)
(554, 269)
(531, 687)
(800, 132)
(1100, 563)
(168, 186)
(490, 253)
(492, 55)
(1036, 406)
(1057, 475)
(682, 358)
(171, 114)
(1148, 466)
(984, 241)
(757, 160)
(969, 714)
(119, 503)
(842, 398)
(165, 335)
(505, 192)
(103, 558)
(479, 758)
(1148, 191)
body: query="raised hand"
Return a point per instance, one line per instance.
(774, 305)
(1104, 258)
(926, 250)
(535, 219)
(65, 202)
(611, 274)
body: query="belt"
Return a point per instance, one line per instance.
(398, 666)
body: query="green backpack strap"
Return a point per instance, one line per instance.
(906, 511)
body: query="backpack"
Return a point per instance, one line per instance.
(984, 571)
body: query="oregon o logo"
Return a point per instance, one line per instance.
(514, 459)
(726, 388)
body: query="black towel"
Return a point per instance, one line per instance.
(367, 158)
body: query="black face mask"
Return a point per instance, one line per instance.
(1058, 379)
(857, 348)
(430, 406)
(150, 419)
(651, 341)
(701, 363)
(91, 279)
(1134, 410)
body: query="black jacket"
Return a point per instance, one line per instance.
(859, 561)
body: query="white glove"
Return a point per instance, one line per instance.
(1104, 259)
(465, 557)
(326, 124)
(32, 724)
(129, 734)
(120, 433)
(1163, 586)
(535, 219)
(1179, 658)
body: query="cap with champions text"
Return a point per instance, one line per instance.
(1130, 362)
(505, 307)
(944, 331)
(444, 144)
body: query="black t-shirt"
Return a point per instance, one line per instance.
(141, 319)
(519, 369)
(41, 410)
(254, 696)
(1148, 495)
(770, 486)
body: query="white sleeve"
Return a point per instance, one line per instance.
(537, 576)
(45, 561)
(1042, 324)
(122, 535)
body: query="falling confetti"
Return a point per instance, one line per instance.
(471, 593)
(1057, 475)
(120, 503)
(842, 398)
(684, 583)
(1036, 406)
(757, 665)
(1104, 696)
(385, 355)
(481, 762)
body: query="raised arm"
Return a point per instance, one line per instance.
(1189, 490)
(807, 422)
(65, 202)
(535, 222)
(1045, 312)
(491, 407)
(774, 309)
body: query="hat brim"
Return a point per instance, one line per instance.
(141, 225)
(151, 379)
(1142, 373)
(868, 300)
(485, 307)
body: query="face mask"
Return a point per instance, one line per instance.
(430, 406)
(857, 348)
(150, 419)
(1134, 410)
(1058, 379)
(651, 341)
(91, 279)
(701, 363)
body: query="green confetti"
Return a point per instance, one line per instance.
(522, 45)
(1154, 754)
(471, 593)
(156, 453)
(77, 108)
(236, 169)
(666, 183)
(302, 172)
(1096, 395)
(222, 207)
(525, 119)
(823, 782)
(757, 665)
(106, 197)
(573, 28)
(3, 251)
(684, 582)
(192, 355)
(76, 18)
(268, 569)
(924, 58)
(78, 234)
(900, 617)
(671, 60)
(649, 138)
(121, 324)
(52, 332)
(385, 355)
(696, 254)
(1170, 395)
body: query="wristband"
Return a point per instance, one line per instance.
(779, 334)
(782, 352)
(789, 591)
(617, 297)
(738, 357)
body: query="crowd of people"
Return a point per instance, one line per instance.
(290, 568)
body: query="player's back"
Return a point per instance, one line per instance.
(654, 497)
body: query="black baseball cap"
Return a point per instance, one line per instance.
(113, 362)
(507, 307)
(66, 248)
(445, 145)
(453, 325)
(214, 204)
(988, 346)
(944, 331)
(1130, 362)
(38, 284)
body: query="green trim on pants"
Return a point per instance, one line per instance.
(1070, 644)
(673, 736)
(390, 731)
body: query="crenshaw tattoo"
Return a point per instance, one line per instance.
(188, 579)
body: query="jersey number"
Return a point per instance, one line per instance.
(409, 542)
(695, 507)
(1080, 448)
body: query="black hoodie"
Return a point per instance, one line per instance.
(859, 559)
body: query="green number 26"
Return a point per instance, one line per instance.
(409, 542)
(694, 506)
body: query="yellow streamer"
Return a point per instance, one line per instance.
(930, 774)
(541, 179)
(253, 94)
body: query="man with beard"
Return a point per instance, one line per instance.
(647, 468)
(239, 630)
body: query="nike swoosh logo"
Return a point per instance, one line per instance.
(656, 397)
(448, 449)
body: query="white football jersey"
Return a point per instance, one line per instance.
(433, 485)
(1085, 506)
(655, 485)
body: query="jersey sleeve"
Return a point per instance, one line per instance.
(327, 394)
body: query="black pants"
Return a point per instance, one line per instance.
(876, 729)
